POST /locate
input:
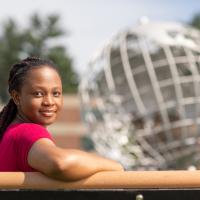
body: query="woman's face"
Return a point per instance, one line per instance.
(40, 98)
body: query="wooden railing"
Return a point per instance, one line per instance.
(146, 185)
(104, 180)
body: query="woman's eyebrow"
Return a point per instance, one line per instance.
(57, 88)
(43, 87)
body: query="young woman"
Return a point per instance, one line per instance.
(25, 144)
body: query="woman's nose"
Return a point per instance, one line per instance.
(48, 100)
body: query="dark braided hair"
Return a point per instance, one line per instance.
(16, 79)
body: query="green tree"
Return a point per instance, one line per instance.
(195, 21)
(37, 39)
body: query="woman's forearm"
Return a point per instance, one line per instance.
(76, 165)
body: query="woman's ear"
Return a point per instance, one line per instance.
(15, 96)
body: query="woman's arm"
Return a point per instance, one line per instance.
(67, 164)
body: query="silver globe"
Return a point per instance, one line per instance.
(141, 97)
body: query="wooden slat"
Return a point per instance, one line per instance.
(131, 179)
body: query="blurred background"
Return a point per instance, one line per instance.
(130, 73)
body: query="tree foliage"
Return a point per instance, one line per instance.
(37, 39)
(195, 21)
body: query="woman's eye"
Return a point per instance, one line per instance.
(38, 94)
(56, 94)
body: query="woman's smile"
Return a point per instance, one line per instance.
(48, 113)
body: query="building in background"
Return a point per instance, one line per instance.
(141, 97)
(69, 128)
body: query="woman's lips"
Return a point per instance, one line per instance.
(48, 113)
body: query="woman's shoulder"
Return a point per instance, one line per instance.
(30, 131)
(28, 126)
(23, 128)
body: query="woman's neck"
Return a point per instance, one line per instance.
(21, 119)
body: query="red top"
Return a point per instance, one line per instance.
(16, 143)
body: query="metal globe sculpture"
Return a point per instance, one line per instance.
(141, 97)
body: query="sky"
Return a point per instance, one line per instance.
(90, 23)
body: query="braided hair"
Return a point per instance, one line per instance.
(16, 79)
